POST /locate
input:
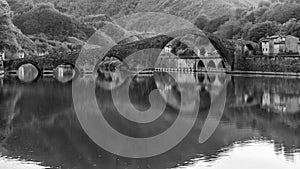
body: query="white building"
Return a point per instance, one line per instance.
(275, 45)
(2, 56)
(265, 46)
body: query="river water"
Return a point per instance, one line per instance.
(258, 125)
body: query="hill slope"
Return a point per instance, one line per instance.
(188, 9)
(11, 38)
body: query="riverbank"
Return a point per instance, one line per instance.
(285, 65)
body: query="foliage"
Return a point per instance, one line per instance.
(264, 3)
(201, 22)
(263, 29)
(20, 6)
(213, 25)
(11, 39)
(282, 12)
(188, 9)
(230, 29)
(266, 19)
(292, 27)
(44, 18)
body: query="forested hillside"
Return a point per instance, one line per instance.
(188, 9)
(58, 24)
(269, 18)
(12, 40)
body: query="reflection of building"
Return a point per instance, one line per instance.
(266, 100)
(281, 104)
(65, 73)
(2, 58)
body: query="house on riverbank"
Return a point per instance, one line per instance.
(280, 45)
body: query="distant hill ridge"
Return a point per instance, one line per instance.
(188, 9)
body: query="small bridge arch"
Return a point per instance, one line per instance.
(28, 72)
(210, 64)
(65, 72)
(48, 62)
(26, 62)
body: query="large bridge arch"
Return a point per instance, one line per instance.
(121, 51)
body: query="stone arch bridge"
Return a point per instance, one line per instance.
(43, 63)
(121, 51)
(196, 63)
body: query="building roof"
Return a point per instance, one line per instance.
(268, 39)
(292, 36)
(265, 40)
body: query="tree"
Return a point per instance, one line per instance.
(230, 29)
(282, 13)
(250, 17)
(240, 12)
(264, 3)
(213, 25)
(245, 30)
(20, 6)
(11, 39)
(263, 29)
(44, 18)
(201, 22)
(292, 27)
(255, 15)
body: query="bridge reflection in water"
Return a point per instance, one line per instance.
(64, 73)
(38, 122)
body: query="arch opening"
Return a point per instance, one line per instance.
(211, 64)
(200, 77)
(65, 72)
(250, 47)
(28, 72)
(201, 65)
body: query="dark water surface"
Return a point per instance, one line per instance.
(259, 128)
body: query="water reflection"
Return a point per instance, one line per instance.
(64, 73)
(260, 124)
(28, 73)
(8, 163)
